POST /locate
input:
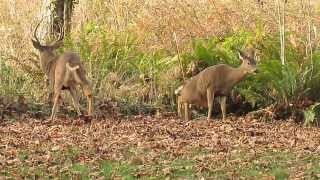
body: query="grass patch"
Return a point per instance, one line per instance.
(277, 164)
(80, 171)
(182, 168)
(107, 169)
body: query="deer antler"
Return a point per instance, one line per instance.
(251, 54)
(243, 54)
(53, 44)
(35, 32)
(61, 35)
(35, 38)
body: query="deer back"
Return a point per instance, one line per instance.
(71, 60)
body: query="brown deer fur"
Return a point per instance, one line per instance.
(65, 72)
(214, 81)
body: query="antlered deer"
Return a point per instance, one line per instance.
(214, 81)
(65, 72)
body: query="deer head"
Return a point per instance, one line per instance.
(47, 52)
(248, 61)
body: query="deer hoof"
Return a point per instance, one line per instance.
(85, 118)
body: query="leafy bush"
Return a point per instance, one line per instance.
(11, 82)
(120, 70)
(312, 114)
(283, 86)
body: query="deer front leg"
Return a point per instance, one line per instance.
(90, 102)
(223, 100)
(75, 99)
(210, 99)
(50, 97)
(186, 112)
(179, 107)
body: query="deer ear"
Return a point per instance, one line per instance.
(57, 45)
(240, 56)
(255, 55)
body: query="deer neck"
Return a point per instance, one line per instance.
(47, 60)
(238, 74)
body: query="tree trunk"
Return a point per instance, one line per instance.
(68, 8)
(63, 10)
(46, 15)
(280, 4)
(54, 14)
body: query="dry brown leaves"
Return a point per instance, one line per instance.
(120, 140)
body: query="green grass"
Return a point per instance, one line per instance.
(182, 169)
(242, 164)
(81, 171)
(110, 169)
(107, 169)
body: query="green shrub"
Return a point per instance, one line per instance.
(311, 115)
(120, 70)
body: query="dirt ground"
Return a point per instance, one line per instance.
(158, 148)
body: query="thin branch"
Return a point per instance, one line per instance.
(178, 53)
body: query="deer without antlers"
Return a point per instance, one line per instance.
(214, 81)
(65, 72)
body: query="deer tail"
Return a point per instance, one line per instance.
(73, 70)
(178, 90)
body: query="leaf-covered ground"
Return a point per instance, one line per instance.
(158, 148)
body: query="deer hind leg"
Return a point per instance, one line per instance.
(210, 99)
(189, 111)
(75, 99)
(223, 100)
(55, 103)
(179, 106)
(88, 93)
